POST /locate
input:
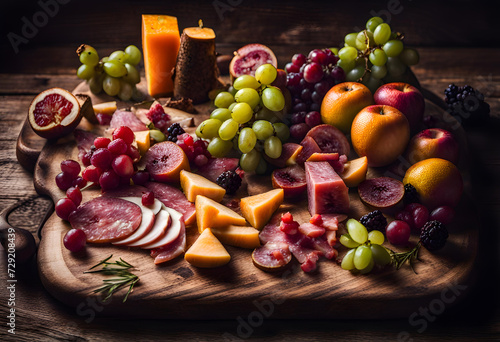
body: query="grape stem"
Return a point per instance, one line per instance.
(399, 258)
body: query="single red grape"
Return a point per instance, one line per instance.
(64, 180)
(299, 59)
(75, 195)
(109, 180)
(64, 207)
(123, 166)
(140, 177)
(124, 133)
(75, 240)
(92, 174)
(101, 142)
(313, 118)
(148, 198)
(118, 146)
(101, 158)
(442, 214)
(398, 232)
(71, 167)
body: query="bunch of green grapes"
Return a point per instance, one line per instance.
(116, 74)
(247, 120)
(366, 249)
(375, 53)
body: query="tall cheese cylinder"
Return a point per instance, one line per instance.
(160, 45)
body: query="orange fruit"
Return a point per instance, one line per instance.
(342, 102)
(381, 133)
(437, 181)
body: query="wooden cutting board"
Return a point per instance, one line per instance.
(177, 290)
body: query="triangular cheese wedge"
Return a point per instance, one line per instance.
(258, 209)
(193, 185)
(238, 236)
(213, 214)
(207, 251)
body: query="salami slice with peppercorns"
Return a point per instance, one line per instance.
(106, 219)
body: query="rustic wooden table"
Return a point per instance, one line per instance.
(43, 62)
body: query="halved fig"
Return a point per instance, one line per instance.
(54, 113)
(381, 192)
(330, 139)
(249, 57)
(164, 162)
(272, 257)
(291, 179)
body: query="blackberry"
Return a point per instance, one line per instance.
(374, 220)
(230, 181)
(433, 235)
(173, 131)
(466, 104)
(411, 195)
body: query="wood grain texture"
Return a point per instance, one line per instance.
(179, 290)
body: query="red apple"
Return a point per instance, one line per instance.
(405, 97)
(433, 143)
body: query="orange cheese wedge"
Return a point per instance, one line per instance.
(215, 215)
(258, 209)
(207, 251)
(193, 185)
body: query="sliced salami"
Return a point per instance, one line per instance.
(174, 198)
(174, 248)
(126, 118)
(272, 256)
(106, 219)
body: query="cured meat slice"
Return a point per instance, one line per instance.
(162, 223)
(331, 221)
(272, 256)
(84, 141)
(215, 166)
(127, 118)
(311, 230)
(272, 232)
(134, 192)
(174, 198)
(106, 219)
(172, 250)
(147, 222)
(172, 232)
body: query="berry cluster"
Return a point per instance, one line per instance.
(174, 131)
(229, 180)
(466, 104)
(161, 120)
(196, 150)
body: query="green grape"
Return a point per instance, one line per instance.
(350, 39)
(231, 106)
(346, 65)
(157, 135)
(361, 42)
(395, 67)
(362, 257)
(85, 71)
(219, 148)
(348, 260)
(134, 54)
(115, 68)
(262, 167)
(368, 268)
(348, 53)
(266, 74)
(263, 129)
(393, 48)
(223, 99)
(111, 85)
(373, 22)
(382, 33)
(119, 56)
(126, 89)
(346, 240)
(273, 147)
(88, 56)
(378, 57)
(357, 231)
(264, 114)
(246, 140)
(232, 90)
(380, 255)
(245, 81)
(379, 72)
(250, 161)
(409, 56)
(248, 95)
(95, 83)
(371, 83)
(355, 74)
(376, 237)
(273, 99)
(132, 75)
(221, 114)
(282, 131)
(242, 113)
(209, 129)
(228, 129)
(334, 50)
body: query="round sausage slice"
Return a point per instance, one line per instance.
(106, 219)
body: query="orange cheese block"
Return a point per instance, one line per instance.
(160, 45)
(193, 185)
(238, 236)
(258, 209)
(210, 213)
(207, 251)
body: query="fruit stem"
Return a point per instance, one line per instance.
(399, 258)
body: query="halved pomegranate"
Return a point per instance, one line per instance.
(54, 113)
(249, 57)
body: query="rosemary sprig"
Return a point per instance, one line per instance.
(120, 269)
(399, 258)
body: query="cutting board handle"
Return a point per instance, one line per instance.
(28, 147)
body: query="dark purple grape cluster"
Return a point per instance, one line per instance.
(309, 78)
(173, 131)
(466, 104)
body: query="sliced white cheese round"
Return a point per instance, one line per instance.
(172, 232)
(159, 230)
